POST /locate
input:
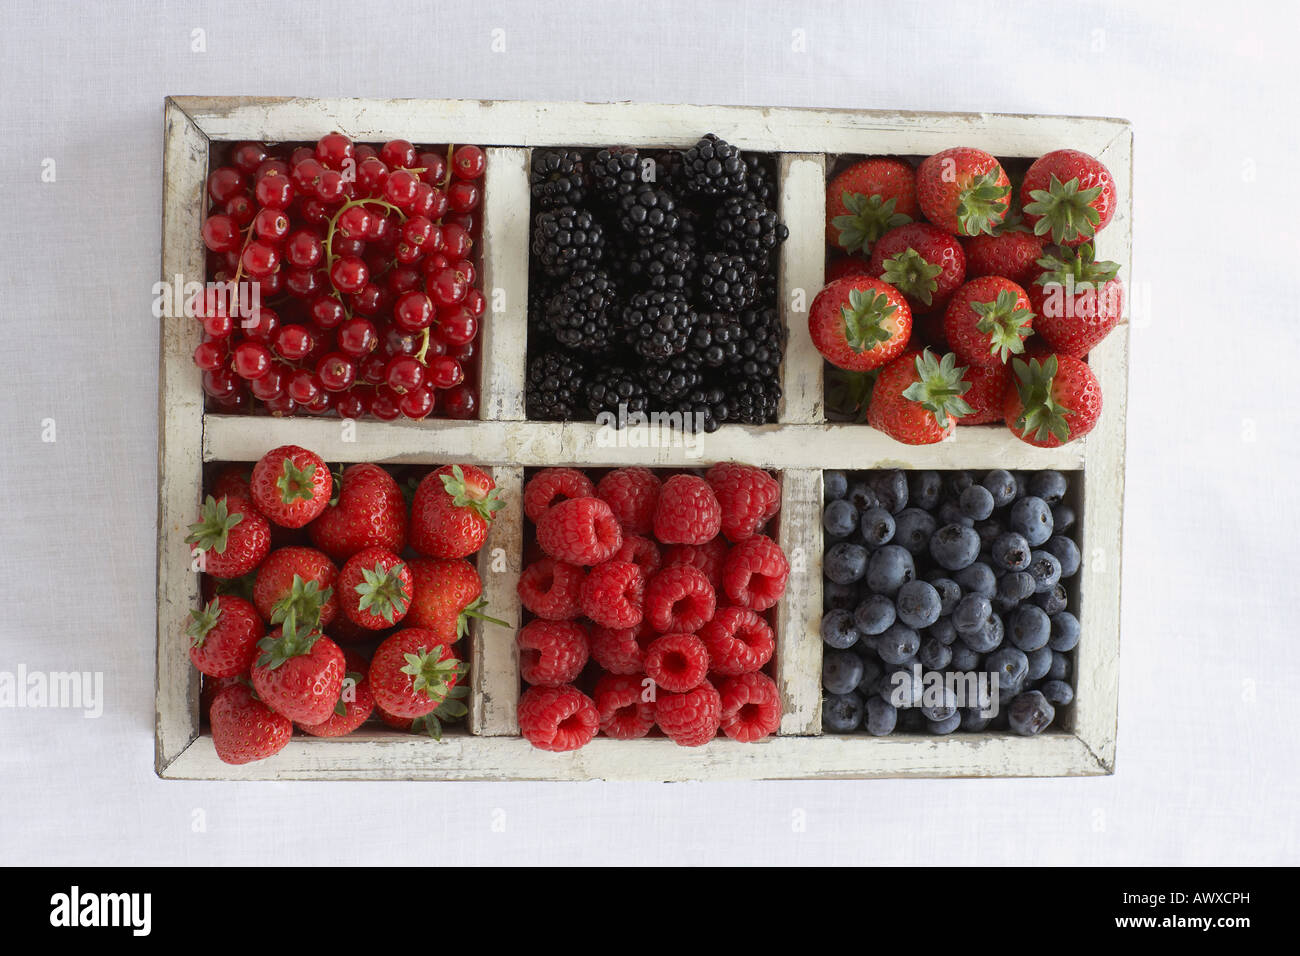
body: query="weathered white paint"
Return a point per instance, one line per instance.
(803, 273)
(504, 333)
(494, 660)
(799, 612)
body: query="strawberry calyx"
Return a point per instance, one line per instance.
(475, 610)
(382, 591)
(463, 497)
(295, 483)
(1043, 415)
(432, 674)
(451, 709)
(1076, 268)
(294, 641)
(864, 319)
(1066, 211)
(1004, 321)
(302, 602)
(939, 387)
(868, 218)
(212, 531)
(983, 203)
(911, 274)
(204, 620)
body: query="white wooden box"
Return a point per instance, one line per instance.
(799, 446)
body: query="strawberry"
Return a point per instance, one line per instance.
(867, 200)
(233, 479)
(230, 535)
(291, 485)
(859, 323)
(988, 320)
(297, 579)
(448, 593)
(1052, 402)
(918, 398)
(452, 511)
(244, 729)
(963, 190)
(988, 388)
(921, 261)
(375, 588)
(300, 673)
(355, 703)
(225, 632)
(1069, 195)
(846, 266)
(413, 671)
(368, 512)
(1077, 300)
(1013, 253)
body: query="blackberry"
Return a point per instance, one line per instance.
(557, 387)
(753, 401)
(668, 382)
(748, 344)
(616, 390)
(760, 185)
(726, 282)
(557, 178)
(710, 404)
(665, 265)
(748, 228)
(583, 312)
(648, 214)
(659, 324)
(713, 167)
(615, 173)
(567, 239)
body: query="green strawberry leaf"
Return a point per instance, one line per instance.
(204, 620)
(868, 218)
(911, 274)
(1066, 210)
(295, 483)
(864, 319)
(383, 592)
(1005, 322)
(939, 387)
(1043, 415)
(212, 531)
(983, 203)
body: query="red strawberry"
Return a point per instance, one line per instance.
(413, 671)
(231, 536)
(859, 323)
(297, 579)
(452, 511)
(355, 703)
(244, 729)
(225, 634)
(988, 388)
(447, 594)
(988, 320)
(846, 266)
(1013, 253)
(233, 479)
(918, 398)
(291, 485)
(1077, 300)
(375, 588)
(300, 673)
(1068, 195)
(369, 513)
(963, 190)
(921, 261)
(1052, 402)
(867, 200)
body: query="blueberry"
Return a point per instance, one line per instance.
(839, 596)
(1002, 485)
(918, 604)
(1030, 627)
(1045, 569)
(944, 708)
(877, 527)
(943, 631)
(1058, 693)
(976, 502)
(955, 546)
(978, 578)
(957, 482)
(988, 637)
(1011, 552)
(1032, 518)
(946, 726)
(1029, 713)
(835, 485)
(861, 497)
(949, 592)
(913, 528)
(882, 717)
(1022, 483)
(890, 488)
(971, 613)
(1016, 586)
(934, 655)
(1002, 605)
(1062, 517)
(1060, 668)
(1048, 485)
(842, 713)
(845, 562)
(1053, 601)
(950, 513)
(871, 672)
(841, 671)
(1066, 552)
(972, 721)
(910, 721)
(838, 630)
(1040, 662)
(902, 688)
(1065, 632)
(963, 658)
(989, 531)
(898, 644)
(889, 569)
(924, 489)
(840, 518)
(874, 615)
(1010, 666)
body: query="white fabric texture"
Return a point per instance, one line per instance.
(1208, 754)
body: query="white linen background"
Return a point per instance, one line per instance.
(1207, 758)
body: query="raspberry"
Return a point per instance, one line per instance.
(624, 715)
(677, 662)
(690, 719)
(580, 531)
(748, 496)
(708, 557)
(550, 484)
(755, 573)
(738, 641)
(621, 650)
(551, 652)
(641, 551)
(688, 511)
(550, 589)
(612, 594)
(679, 598)
(631, 494)
(557, 718)
(751, 707)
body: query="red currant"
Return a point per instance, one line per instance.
(281, 405)
(385, 404)
(261, 325)
(304, 386)
(362, 151)
(237, 401)
(221, 233)
(456, 242)
(294, 342)
(251, 359)
(395, 341)
(330, 187)
(271, 167)
(327, 312)
(225, 183)
(417, 403)
(306, 174)
(319, 405)
(404, 373)
(270, 286)
(220, 383)
(357, 337)
(315, 212)
(351, 404)
(398, 154)
(248, 156)
(457, 326)
(459, 402)
(373, 368)
(434, 166)
(372, 173)
(336, 372)
(272, 225)
(333, 150)
(274, 189)
(461, 220)
(349, 274)
(468, 162)
(467, 272)
(303, 249)
(371, 300)
(260, 258)
(463, 196)
(354, 222)
(400, 188)
(305, 283)
(413, 312)
(404, 279)
(447, 286)
(209, 356)
(241, 209)
(445, 372)
(218, 326)
(475, 302)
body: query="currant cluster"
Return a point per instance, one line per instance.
(653, 278)
(363, 261)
